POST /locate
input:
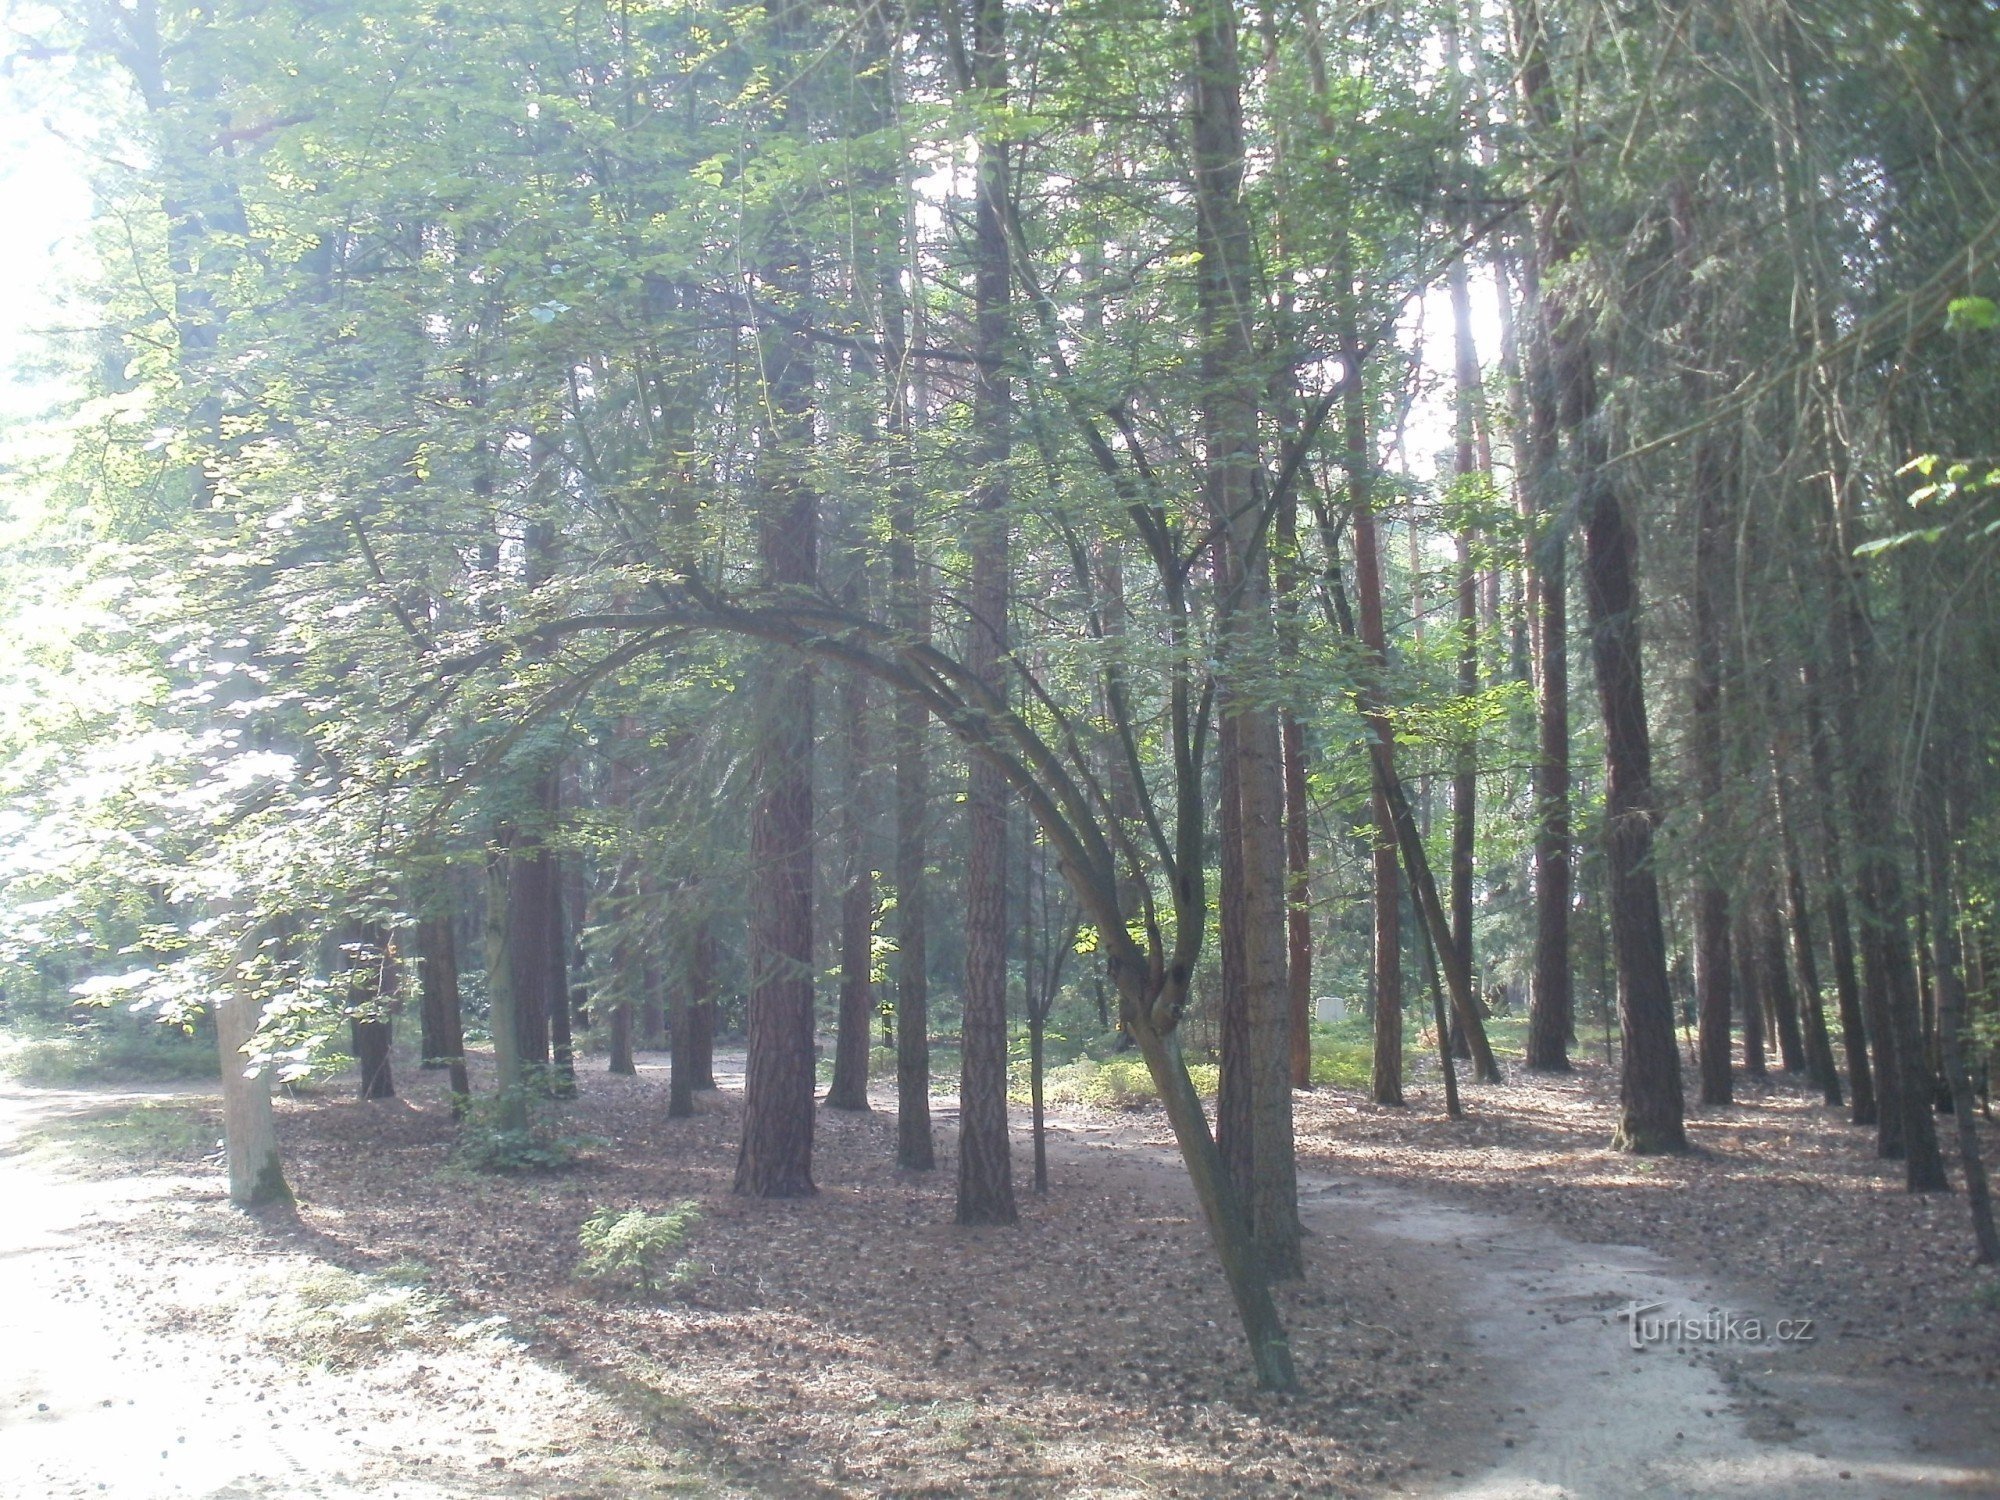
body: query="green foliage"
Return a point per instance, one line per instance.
(634, 1253)
(515, 1130)
(1120, 1081)
(107, 1048)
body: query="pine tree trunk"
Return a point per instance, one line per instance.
(562, 1053)
(1231, 398)
(1951, 1009)
(775, 1157)
(443, 1022)
(849, 1088)
(1386, 951)
(1820, 1063)
(985, 1160)
(1778, 985)
(1235, 1117)
(1650, 1077)
(1750, 995)
(1465, 769)
(1863, 1108)
(1551, 1003)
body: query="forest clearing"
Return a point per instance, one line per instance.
(938, 747)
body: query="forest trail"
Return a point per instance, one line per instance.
(1588, 1415)
(1569, 1410)
(143, 1352)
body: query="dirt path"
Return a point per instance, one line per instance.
(154, 1346)
(1590, 1415)
(1567, 1408)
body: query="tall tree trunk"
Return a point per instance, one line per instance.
(1231, 399)
(985, 1161)
(562, 1053)
(443, 1021)
(1235, 1115)
(1465, 768)
(849, 1088)
(690, 996)
(1650, 1075)
(1798, 922)
(775, 1158)
(1551, 1004)
(1709, 482)
(1904, 1127)
(1778, 984)
(1386, 951)
(1951, 1007)
(1864, 1108)
(1750, 993)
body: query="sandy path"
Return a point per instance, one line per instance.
(130, 1362)
(1570, 1410)
(1547, 1317)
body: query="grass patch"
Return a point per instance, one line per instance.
(148, 1133)
(335, 1319)
(105, 1049)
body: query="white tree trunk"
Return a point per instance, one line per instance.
(249, 1130)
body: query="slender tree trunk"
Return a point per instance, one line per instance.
(1235, 1116)
(1905, 1127)
(985, 1161)
(1386, 953)
(1798, 921)
(1231, 399)
(690, 997)
(1465, 770)
(562, 1053)
(1750, 993)
(1551, 1004)
(1840, 932)
(1650, 1076)
(849, 1089)
(1951, 1007)
(502, 993)
(443, 1025)
(1778, 984)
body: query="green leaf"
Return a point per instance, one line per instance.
(1971, 315)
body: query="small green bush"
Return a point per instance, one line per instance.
(633, 1253)
(1120, 1081)
(511, 1131)
(1342, 1064)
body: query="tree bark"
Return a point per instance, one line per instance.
(1231, 400)
(849, 1088)
(249, 1129)
(1951, 1008)
(775, 1158)
(1551, 1004)
(1650, 1074)
(985, 1160)
(442, 1018)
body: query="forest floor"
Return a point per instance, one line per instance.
(415, 1331)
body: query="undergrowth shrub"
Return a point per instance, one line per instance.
(1120, 1081)
(513, 1130)
(633, 1253)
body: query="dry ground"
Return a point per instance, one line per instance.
(857, 1343)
